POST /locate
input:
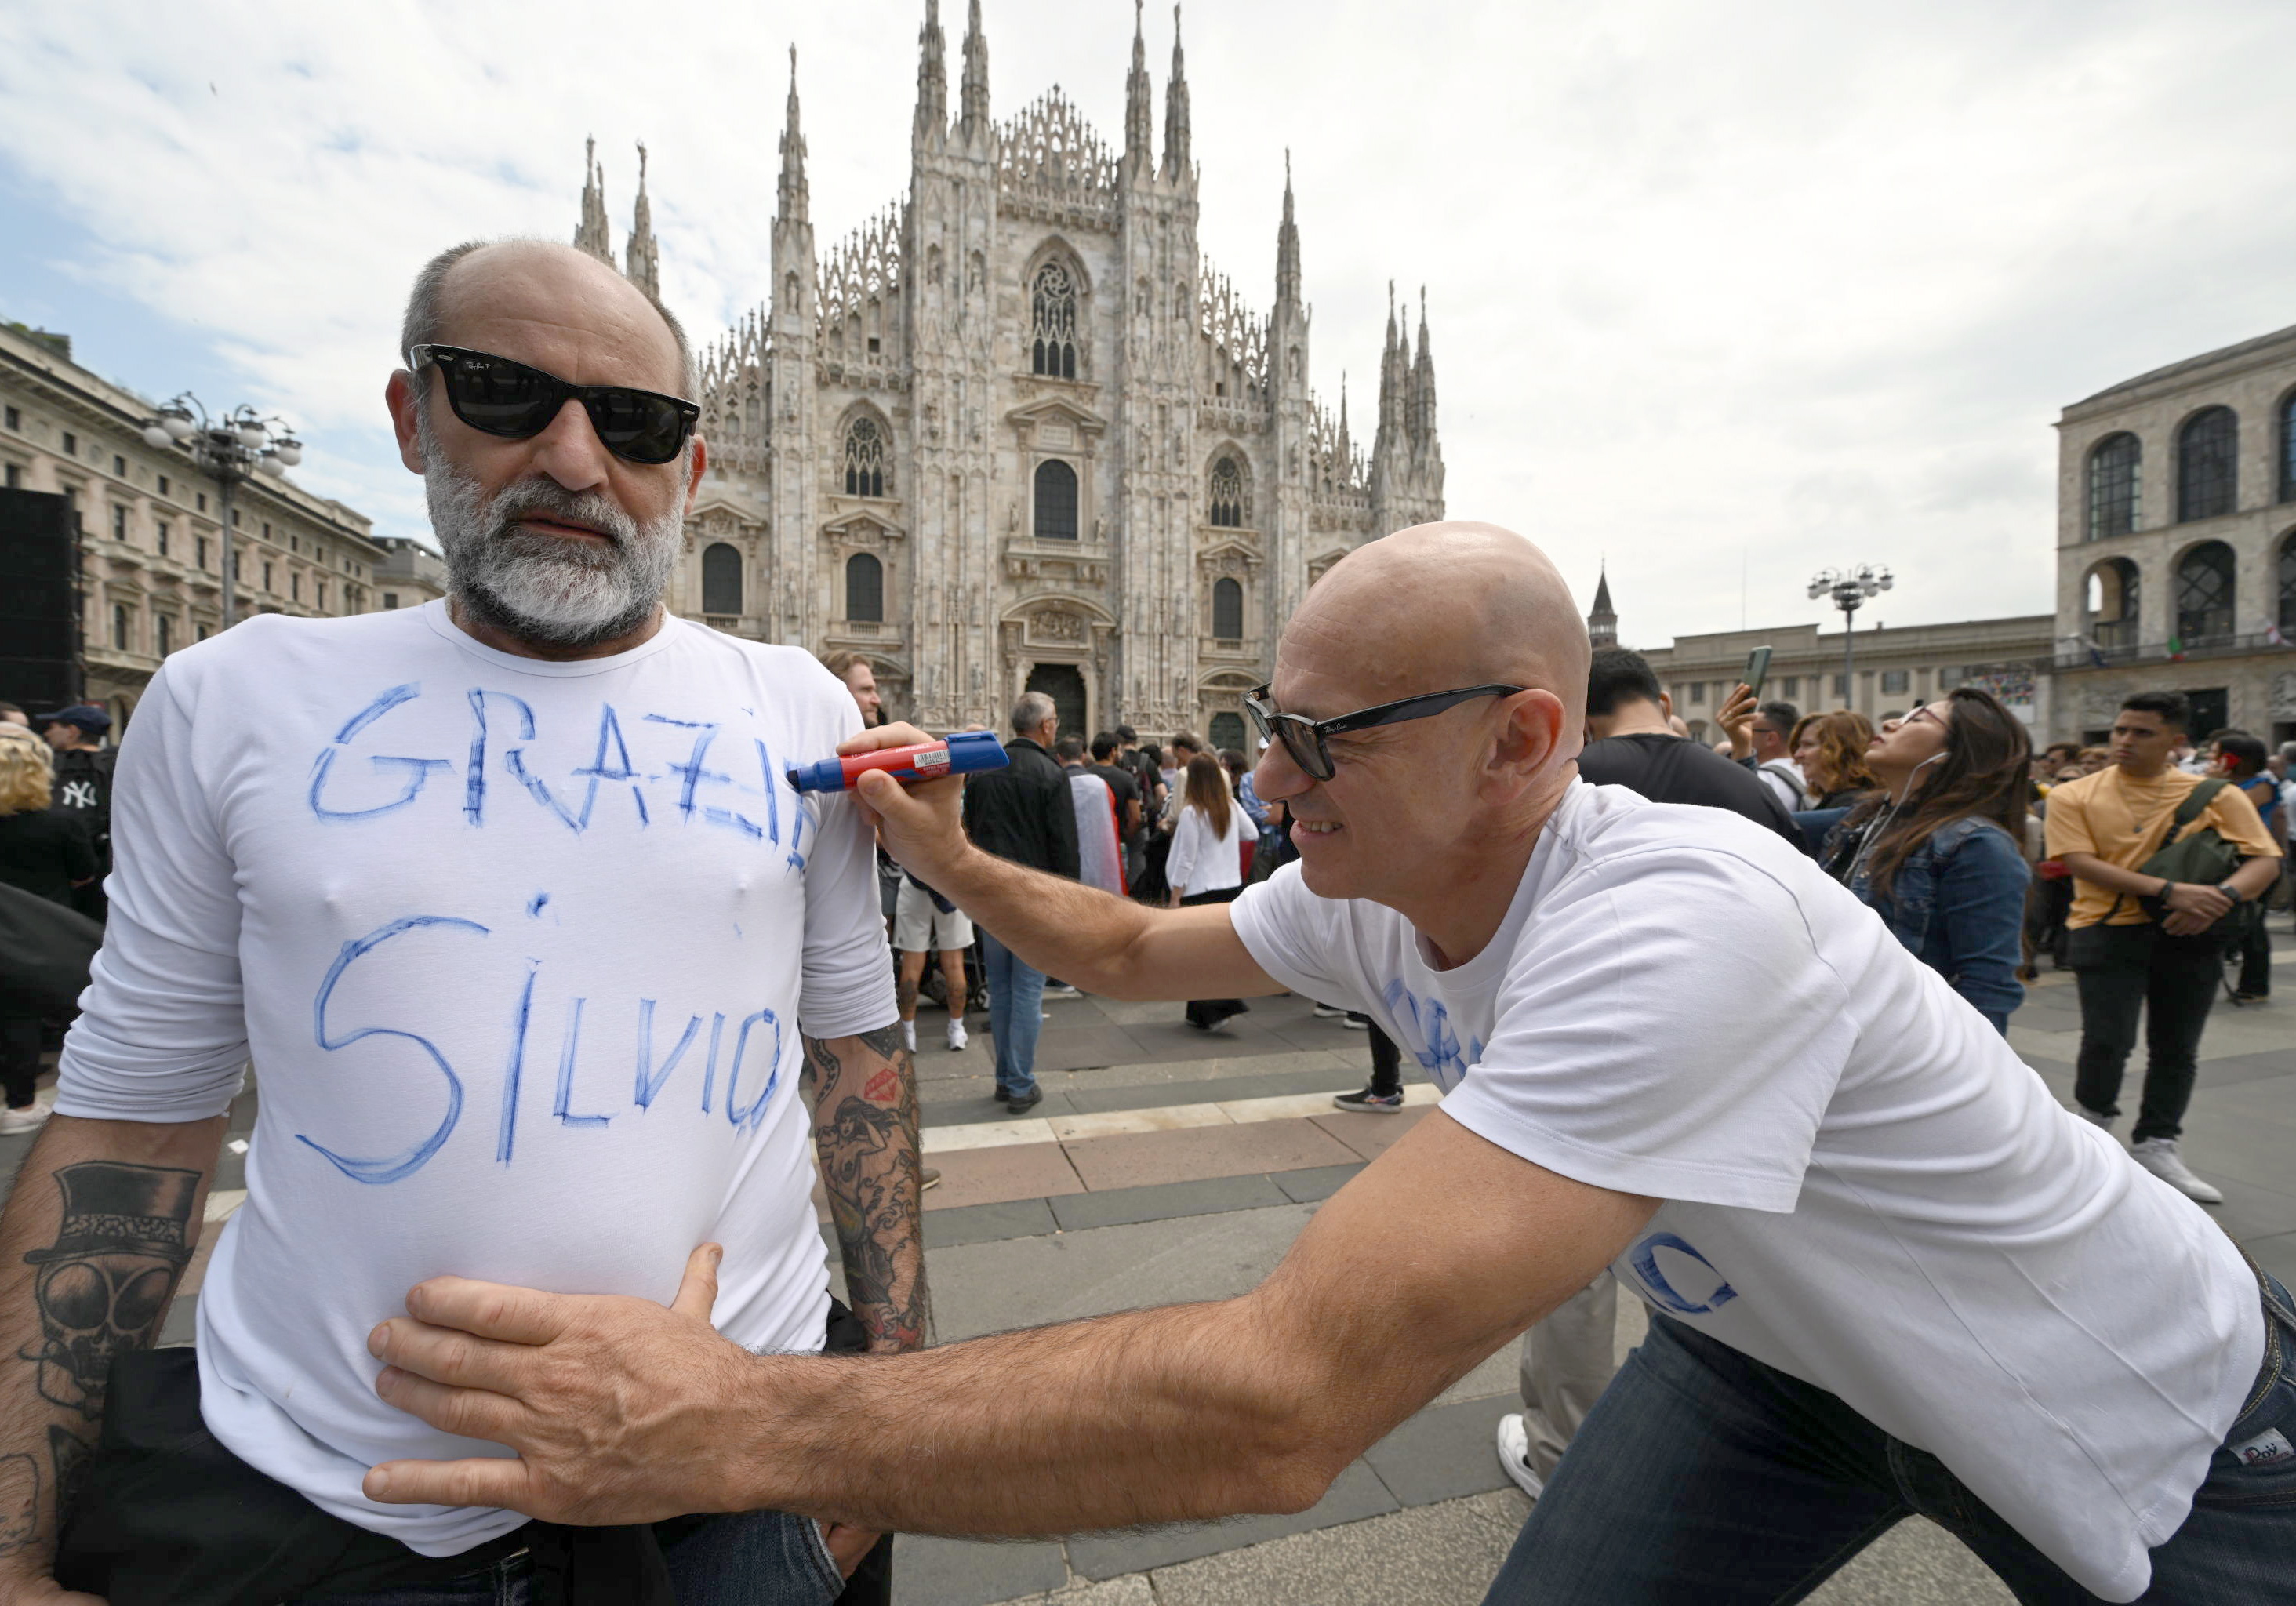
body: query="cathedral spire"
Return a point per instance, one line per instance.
(975, 123)
(640, 256)
(796, 199)
(1346, 447)
(1287, 245)
(1177, 161)
(1139, 106)
(592, 235)
(932, 78)
(1422, 383)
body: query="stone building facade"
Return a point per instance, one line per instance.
(2177, 542)
(1015, 432)
(151, 548)
(408, 574)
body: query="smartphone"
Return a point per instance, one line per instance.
(1758, 669)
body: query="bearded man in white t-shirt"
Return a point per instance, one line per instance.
(511, 901)
(1889, 1273)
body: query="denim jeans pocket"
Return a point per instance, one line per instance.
(2256, 1465)
(815, 1544)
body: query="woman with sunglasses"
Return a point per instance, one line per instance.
(1935, 851)
(1206, 865)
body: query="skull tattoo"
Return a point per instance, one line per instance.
(104, 1285)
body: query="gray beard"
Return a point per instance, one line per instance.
(541, 589)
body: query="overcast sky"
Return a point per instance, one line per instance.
(1720, 293)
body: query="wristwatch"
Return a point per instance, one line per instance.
(2229, 890)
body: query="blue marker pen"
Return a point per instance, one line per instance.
(958, 754)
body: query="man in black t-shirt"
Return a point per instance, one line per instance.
(1126, 786)
(1568, 1358)
(1629, 744)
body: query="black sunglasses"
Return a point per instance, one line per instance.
(499, 397)
(1303, 738)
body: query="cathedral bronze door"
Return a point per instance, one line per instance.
(1064, 685)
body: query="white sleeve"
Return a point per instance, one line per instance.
(162, 1034)
(1668, 1028)
(1299, 939)
(1186, 843)
(846, 985)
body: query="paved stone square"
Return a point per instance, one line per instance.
(1166, 1164)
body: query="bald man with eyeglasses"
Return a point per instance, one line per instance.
(1887, 1272)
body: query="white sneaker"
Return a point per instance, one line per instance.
(2093, 1118)
(1325, 1011)
(1061, 990)
(909, 1036)
(2157, 1155)
(1514, 1455)
(957, 1037)
(27, 1120)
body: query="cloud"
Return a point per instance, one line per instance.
(1716, 292)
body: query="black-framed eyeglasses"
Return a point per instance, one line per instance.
(1304, 738)
(498, 396)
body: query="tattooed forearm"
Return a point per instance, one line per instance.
(865, 1129)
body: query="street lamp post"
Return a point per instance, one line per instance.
(231, 450)
(1849, 588)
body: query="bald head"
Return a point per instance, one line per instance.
(476, 292)
(1443, 605)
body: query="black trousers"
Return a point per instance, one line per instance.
(2126, 971)
(1386, 1061)
(20, 1058)
(2256, 962)
(1211, 1012)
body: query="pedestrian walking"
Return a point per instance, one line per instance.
(83, 766)
(1100, 846)
(2146, 939)
(2241, 760)
(1022, 814)
(1207, 862)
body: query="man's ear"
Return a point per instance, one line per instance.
(1666, 704)
(398, 396)
(701, 456)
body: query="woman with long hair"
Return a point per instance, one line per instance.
(1936, 850)
(1830, 751)
(47, 854)
(1206, 865)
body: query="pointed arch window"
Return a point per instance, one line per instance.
(1053, 322)
(2204, 593)
(1231, 507)
(865, 458)
(2207, 449)
(721, 579)
(1227, 609)
(2113, 468)
(864, 587)
(1056, 500)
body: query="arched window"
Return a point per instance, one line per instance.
(2112, 484)
(2204, 593)
(2111, 596)
(865, 458)
(2207, 472)
(2288, 447)
(2288, 584)
(1231, 510)
(1227, 609)
(1053, 322)
(1056, 500)
(1227, 732)
(864, 587)
(721, 579)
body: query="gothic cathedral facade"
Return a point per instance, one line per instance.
(1015, 433)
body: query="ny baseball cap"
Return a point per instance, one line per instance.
(90, 718)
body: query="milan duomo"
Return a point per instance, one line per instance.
(1016, 433)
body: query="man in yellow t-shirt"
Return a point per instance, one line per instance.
(2139, 942)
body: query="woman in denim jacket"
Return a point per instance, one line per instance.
(1935, 851)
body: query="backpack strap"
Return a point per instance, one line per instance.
(2194, 806)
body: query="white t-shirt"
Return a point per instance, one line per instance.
(1203, 860)
(1863, 1186)
(1100, 857)
(1784, 780)
(520, 951)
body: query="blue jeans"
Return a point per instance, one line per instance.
(1016, 1015)
(1702, 1474)
(752, 1559)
